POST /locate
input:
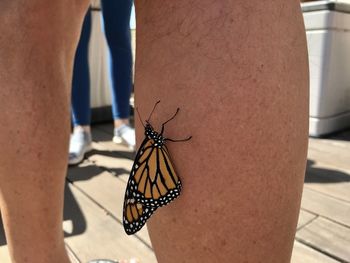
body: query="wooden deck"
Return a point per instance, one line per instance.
(95, 190)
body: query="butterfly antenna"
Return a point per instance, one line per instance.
(138, 113)
(163, 125)
(154, 107)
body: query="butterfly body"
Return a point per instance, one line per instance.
(153, 182)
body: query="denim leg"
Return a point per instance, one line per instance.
(81, 79)
(116, 15)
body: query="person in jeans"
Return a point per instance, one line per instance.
(116, 17)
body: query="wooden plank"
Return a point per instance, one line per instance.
(108, 191)
(105, 143)
(304, 254)
(327, 236)
(305, 218)
(328, 179)
(84, 171)
(332, 152)
(326, 206)
(108, 170)
(115, 158)
(113, 163)
(339, 191)
(4, 254)
(72, 257)
(104, 237)
(330, 145)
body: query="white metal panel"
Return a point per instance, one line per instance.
(329, 62)
(328, 36)
(98, 62)
(326, 19)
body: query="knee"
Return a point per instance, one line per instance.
(41, 19)
(27, 10)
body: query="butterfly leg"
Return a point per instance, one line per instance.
(179, 140)
(163, 125)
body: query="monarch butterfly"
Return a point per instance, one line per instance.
(153, 182)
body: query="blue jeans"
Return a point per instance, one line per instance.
(116, 17)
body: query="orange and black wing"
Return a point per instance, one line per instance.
(153, 179)
(135, 215)
(152, 183)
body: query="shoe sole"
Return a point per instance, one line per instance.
(78, 161)
(120, 140)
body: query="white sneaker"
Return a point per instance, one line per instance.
(79, 145)
(125, 134)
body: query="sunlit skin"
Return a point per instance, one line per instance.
(37, 45)
(238, 71)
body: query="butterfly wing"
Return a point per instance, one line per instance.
(153, 183)
(153, 178)
(135, 215)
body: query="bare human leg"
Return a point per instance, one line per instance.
(238, 70)
(37, 45)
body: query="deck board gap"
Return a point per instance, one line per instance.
(325, 194)
(326, 217)
(106, 169)
(108, 213)
(308, 222)
(92, 200)
(320, 250)
(72, 254)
